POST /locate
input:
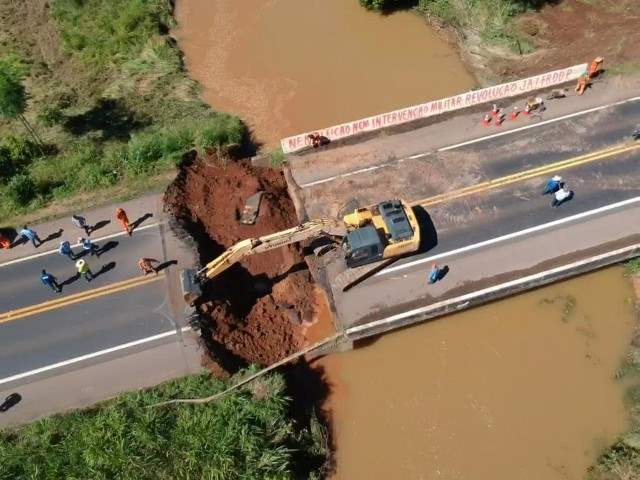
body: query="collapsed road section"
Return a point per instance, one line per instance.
(258, 310)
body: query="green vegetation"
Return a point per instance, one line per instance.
(105, 89)
(632, 267)
(491, 19)
(247, 434)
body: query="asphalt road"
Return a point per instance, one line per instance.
(87, 324)
(495, 212)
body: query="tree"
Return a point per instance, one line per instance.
(13, 99)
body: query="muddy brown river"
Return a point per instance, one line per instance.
(519, 389)
(290, 66)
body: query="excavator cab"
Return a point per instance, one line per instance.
(385, 230)
(362, 246)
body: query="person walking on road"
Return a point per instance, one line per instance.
(4, 242)
(31, 234)
(146, 265)
(50, 281)
(553, 185)
(89, 247)
(66, 250)
(561, 196)
(121, 216)
(81, 223)
(434, 274)
(83, 269)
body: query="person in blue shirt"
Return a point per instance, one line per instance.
(50, 281)
(30, 234)
(434, 274)
(553, 185)
(89, 247)
(66, 250)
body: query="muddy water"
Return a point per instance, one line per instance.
(520, 389)
(289, 66)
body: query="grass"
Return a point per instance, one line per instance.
(108, 96)
(247, 434)
(627, 68)
(632, 267)
(490, 19)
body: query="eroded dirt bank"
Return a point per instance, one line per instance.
(259, 309)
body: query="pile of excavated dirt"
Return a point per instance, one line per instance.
(256, 308)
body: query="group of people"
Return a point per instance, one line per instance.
(558, 188)
(88, 248)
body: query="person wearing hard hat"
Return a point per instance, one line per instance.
(553, 185)
(83, 269)
(595, 66)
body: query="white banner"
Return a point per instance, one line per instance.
(435, 107)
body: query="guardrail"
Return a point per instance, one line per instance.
(436, 107)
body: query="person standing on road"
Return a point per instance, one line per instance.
(66, 250)
(30, 234)
(553, 185)
(434, 274)
(89, 247)
(83, 269)
(121, 216)
(81, 223)
(146, 265)
(561, 196)
(50, 281)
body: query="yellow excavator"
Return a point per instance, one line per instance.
(372, 234)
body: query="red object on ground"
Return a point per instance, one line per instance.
(495, 110)
(515, 113)
(499, 120)
(486, 120)
(4, 242)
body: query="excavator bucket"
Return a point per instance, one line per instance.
(190, 286)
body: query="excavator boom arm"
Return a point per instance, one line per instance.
(250, 246)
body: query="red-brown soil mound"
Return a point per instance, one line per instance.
(257, 307)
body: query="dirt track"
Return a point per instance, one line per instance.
(258, 307)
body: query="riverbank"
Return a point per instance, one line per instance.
(502, 39)
(104, 109)
(250, 433)
(621, 460)
(506, 39)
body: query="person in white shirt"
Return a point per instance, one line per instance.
(561, 196)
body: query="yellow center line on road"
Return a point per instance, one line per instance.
(527, 174)
(77, 298)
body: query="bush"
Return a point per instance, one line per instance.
(21, 190)
(51, 115)
(238, 437)
(220, 131)
(115, 31)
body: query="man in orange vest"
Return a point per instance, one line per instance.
(145, 264)
(595, 66)
(4, 242)
(583, 81)
(121, 216)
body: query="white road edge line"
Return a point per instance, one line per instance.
(509, 236)
(469, 142)
(538, 124)
(89, 356)
(469, 296)
(49, 252)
